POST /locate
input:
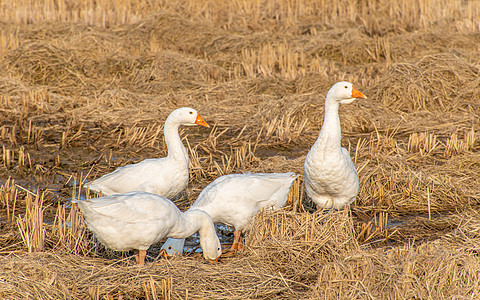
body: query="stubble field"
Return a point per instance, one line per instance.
(85, 87)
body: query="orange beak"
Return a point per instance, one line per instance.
(201, 122)
(212, 261)
(357, 94)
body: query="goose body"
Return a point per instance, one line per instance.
(165, 176)
(331, 179)
(235, 199)
(136, 220)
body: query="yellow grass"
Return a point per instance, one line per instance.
(31, 225)
(407, 14)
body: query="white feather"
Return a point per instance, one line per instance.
(136, 220)
(330, 176)
(165, 176)
(235, 199)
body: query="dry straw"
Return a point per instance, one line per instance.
(69, 232)
(405, 272)
(8, 199)
(31, 225)
(399, 14)
(79, 101)
(441, 82)
(296, 243)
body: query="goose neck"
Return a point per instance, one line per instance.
(200, 219)
(175, 147)
(190, 222)
(208, 236)
(206, 229)
(331, 123)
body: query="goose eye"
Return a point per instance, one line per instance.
(191, 112)
(346, 87)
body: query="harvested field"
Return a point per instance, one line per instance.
(85, 87)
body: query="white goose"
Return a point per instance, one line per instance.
(165, 176)
(235, 199)
(137, 220)
(330, 176)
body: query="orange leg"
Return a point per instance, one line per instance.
(237, 241)
(140, 256)
(240, 243)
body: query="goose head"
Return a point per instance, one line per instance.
(343, 92)
(211, 247)
(186, 116)
(208, 236)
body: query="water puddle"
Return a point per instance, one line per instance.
(225, 235)
(392, 223)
